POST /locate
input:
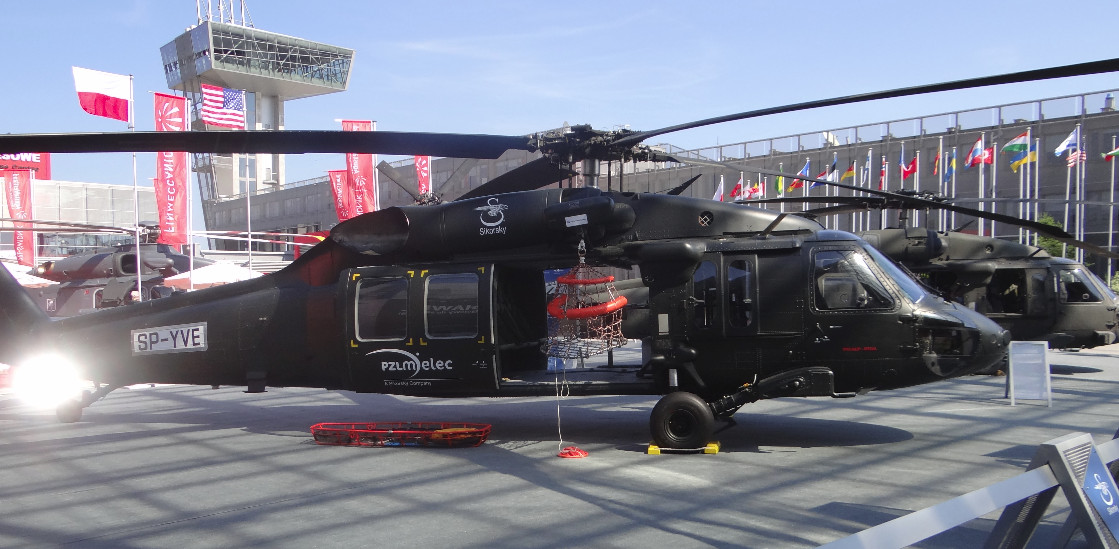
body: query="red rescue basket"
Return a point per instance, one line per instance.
(398, 433)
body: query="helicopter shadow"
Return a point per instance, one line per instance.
(1068, 370)
(767, 433)
(621, 422)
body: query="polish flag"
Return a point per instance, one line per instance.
(103, 93)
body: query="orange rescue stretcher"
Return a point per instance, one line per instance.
(396, 433)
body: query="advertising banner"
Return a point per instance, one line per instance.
(171, 179)
(423, 174)
(343, 198)
(38, 163)
(17, 188)
(360, 168)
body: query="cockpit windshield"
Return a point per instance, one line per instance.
(911, 287)
(1076, 286)
(1102, 285)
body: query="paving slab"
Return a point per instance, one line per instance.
(176, 466)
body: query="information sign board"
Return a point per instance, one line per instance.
(1029, 372)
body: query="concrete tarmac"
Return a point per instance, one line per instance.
(188, 466)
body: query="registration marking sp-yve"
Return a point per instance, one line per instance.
(180, 338)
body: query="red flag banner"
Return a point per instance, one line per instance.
(360, 166)
(171, 180)
(17, 186)
(423, 174)
(343, 198)
(103, 93)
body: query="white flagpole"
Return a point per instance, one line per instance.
(953, 225)
(248, 193)
(917, 183)
(1068, 196)
(377, 174)
(249, 219)
(982, 185)
(781, 178)
(864, 221)
(994, 184)
(1111, 215)
(884, 185)
(1036, 172)
(190, 200)
(135, 190)
(941, 166)
(1081, 194)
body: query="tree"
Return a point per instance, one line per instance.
(1050, 244)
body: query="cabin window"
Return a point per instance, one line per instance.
(1076, 287)
(705, 291)
(382, 309)
(1007, 292)
(844, 281)
(740, 305)
(451, 306)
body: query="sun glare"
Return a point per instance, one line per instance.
(46, 381)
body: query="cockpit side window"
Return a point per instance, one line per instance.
(1076, 287)
(844, 281)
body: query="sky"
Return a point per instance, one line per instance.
(516, 67)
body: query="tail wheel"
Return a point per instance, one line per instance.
(681, 420)
(69, 411)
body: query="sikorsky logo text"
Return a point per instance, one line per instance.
(409, 365)
(492, 217)
(491, 230)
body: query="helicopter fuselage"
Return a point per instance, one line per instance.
(721, 313)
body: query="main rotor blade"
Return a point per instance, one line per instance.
(891, 199)
(269, 141)
(675, 191)
(1078, 69)
(458, 175)
(63, 226)
(536, 174)
(395, 176)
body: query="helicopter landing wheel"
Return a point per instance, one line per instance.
(681, 420)
(69, 411)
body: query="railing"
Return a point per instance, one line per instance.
(1062, 463)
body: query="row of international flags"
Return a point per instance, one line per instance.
(1022, 150)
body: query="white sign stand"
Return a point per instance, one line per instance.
(1029, 372)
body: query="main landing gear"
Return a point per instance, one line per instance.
(683, 420)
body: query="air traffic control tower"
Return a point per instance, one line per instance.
(272, 68)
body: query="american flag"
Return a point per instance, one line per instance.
(223, 107)
(1076, 156)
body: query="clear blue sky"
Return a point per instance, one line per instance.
(516, 67)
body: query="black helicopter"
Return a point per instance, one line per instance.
(734, 304)
(1035, 296)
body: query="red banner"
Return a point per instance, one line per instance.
(17, 186)
(423, 174)
(343, 198)
(39, 163)
(360, 168)
(171, 180)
